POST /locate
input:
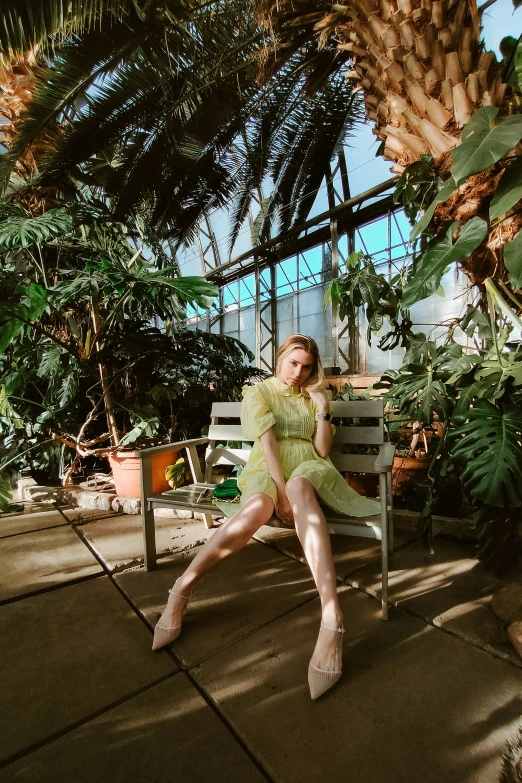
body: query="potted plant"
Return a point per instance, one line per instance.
(84, 368)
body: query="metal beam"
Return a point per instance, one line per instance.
(282, 239)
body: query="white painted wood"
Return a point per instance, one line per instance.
(385, 459)
(357, 408)
(362, 435)
(226, 432)
(384, 545)
(180, 444)
(230, 409)
(365, 530)
(227, 456)
(195, 467)
(354, 463)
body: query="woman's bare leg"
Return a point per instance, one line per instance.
(313, 534)
(230, 537)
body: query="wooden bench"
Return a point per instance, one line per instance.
(349, 430)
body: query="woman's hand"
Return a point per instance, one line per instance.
(285, 509)
(319, 397)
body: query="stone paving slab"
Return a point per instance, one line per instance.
(69, 653)
(25, 522)
(43, 559)
(118, 540)
(39, 516)
(449, 588)
(349, 552)
(168, 733)
(243, 593)
(413, 704)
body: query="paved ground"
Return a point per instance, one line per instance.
(433, 694)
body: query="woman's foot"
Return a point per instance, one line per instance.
(326, 662)
(168, 626)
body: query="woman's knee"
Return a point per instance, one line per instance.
(259, 507)
(298, 487)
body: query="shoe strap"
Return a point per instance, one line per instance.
(186, 597)
(331, 628)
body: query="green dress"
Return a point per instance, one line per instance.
(273, 403)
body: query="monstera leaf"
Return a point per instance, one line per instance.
(23, 231)
(488, 453)
(417, 392)
(428, 272)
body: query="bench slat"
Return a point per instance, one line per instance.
(367, 409)
(229, 409)
(226, 432)
(362, 435)
(355, 463)
(345, 408)
(227, 456)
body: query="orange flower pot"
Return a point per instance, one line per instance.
(126, 472)
(365, 484)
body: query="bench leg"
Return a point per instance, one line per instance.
(390, 512)
(384, 544)
(208, 519)
(149, 539)
(149, 532)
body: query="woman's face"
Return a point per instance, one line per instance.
(297, 367)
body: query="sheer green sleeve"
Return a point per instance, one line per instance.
(256, 416)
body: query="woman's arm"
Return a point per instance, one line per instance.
(270, 446)
(323, 437)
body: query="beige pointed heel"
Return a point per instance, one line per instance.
(321, 680)
(163, 635)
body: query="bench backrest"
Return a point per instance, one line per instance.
(349, 429)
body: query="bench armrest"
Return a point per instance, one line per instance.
(384, 461)
(181, 444)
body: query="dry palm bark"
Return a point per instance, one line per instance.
(18, 76)
(423, 71)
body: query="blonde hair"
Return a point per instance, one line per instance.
(316, 378)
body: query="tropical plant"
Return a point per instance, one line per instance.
(160, 108)
(82, 365)
(477, 398)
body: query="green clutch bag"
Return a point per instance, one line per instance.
(227, 490)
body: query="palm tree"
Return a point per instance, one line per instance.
(423, 70)
(162, 110)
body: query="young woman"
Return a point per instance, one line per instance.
(288, 472)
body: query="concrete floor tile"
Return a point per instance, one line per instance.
(241, 594)
(168, 733)
(25, 522)
(413, 704)
(349, 552)
(43, 559)
(118, 540)
(66, 654)
(449, 588)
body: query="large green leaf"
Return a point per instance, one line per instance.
(508, 192)
(513, 260)
(16, 232)
(488, 454)
(6, 495)
(482, 144)
(444, 193)
(417, 392)
(427, 275)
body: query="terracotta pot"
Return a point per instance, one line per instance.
(364, 483)
(126, 472)
(404, 468)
